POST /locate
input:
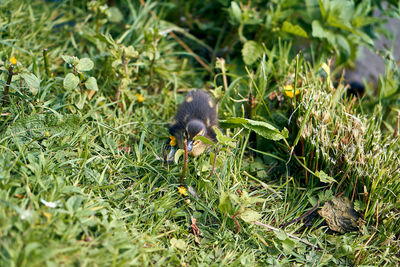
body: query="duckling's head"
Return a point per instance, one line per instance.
(193, 129)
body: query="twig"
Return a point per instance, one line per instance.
(290, 235)
(186, 161)
(236, 221)
(187, 48)
(358, 255)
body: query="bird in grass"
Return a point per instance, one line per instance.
(196, 116)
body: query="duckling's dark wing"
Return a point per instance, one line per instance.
(197, 105)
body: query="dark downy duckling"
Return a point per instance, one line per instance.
(197, 115)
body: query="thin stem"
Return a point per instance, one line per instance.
(213, 166)
(236, 221)
(46, 61)
(7, 87)
(186, 161)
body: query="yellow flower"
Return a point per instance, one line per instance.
(173, 140)
(47, 134)
(47, 215)
(182, 190)
(13, 60)
(289, 90)
(140, 98)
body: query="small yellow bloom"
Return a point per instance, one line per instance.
(47, 215)
(289, 90)
(13, 60)
(173, 140)
(182, 190)
(288, 87)
(140, 98)
(47, 134)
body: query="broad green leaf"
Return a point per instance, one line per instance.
(114, 15)
(245, 199)
(32, 81)
(281, 235)
(343, 46)
(81, 101)
(294, 29)
(251, 52)
(236, 12)
(178, 154)
(250, 215)
(70, 81)
(69, 59)
(288, 246)
(225, 203)
(325, 195)
(325, 178)
(178, 243)
(204, 139)
(85, 64)
(91, 84)
(319, 32)
(262, 128)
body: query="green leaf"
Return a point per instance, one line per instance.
(250, 215)
(81, 101)
(319, 32)
(288, 246)
(225, 203)
(262, 128)
(85, 64)
(114, 15)
(70, 81)
(131, 52)
(204, 139)
(178, 243)
(106, 38)
(281, 235)
(32, 81)
(325, 178)
(251, 52)
(294, 29)
(68, 59)
(224, 140)
(91, 84)
(236, 12)
(178, 154)
(322, 9)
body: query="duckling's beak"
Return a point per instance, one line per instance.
(189, 145)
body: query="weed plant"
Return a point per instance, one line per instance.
(83, 123)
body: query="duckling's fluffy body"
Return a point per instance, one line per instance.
(197, 115)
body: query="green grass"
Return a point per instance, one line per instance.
(82, 181)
